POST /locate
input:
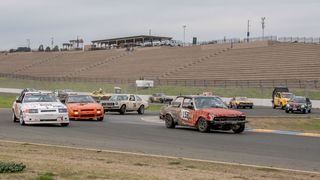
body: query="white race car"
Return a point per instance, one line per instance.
(39, 108)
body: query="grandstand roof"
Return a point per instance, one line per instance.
(141, 38)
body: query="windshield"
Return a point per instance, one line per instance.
(119, 98)
(80, 99)
(209, 102)
(29, 98)
(299, 100)
(288, 96)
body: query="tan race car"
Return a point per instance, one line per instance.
(123, 103)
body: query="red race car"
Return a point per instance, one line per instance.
(204, 113)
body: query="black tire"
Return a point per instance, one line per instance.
(203, 125)
(287, 111)
(304, 111)
(309, 111)
(274, 106)
(240, 128)
(101, 118)
(123, 109)
(22, 123)
(14, 118)
(281, 106)
(64, 124)
(169, 122)
(141, 109)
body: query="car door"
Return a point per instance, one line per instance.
(175, 109)
(132, 104)
(309, 105)
(187, 111)
(138, 102)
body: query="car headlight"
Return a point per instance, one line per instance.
(64, 110)
(31, 111)
(302, 106)
(116, 104)
(75, 112)
(98, 111)
(288, 105)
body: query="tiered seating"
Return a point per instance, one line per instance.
(279, 61)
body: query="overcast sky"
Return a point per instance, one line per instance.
(39, 20)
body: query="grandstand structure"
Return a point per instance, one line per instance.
(255, 64)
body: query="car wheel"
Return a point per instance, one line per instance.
(123, 109)
(203, 125)
(22, 123)
(281, 106)
(141, 109)
(309, 111)
(101, 118)
(274, 106)
(14, 118)
(64, 124)
(287, 111)
(169, 122)
(238, 128)
(304, 111)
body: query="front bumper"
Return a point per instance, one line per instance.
(228, 122)
(45, 118)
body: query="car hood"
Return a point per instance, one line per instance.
(43, 105)
(83, 106)
(219, 112)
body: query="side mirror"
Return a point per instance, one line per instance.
(63, 101)
(18, 101)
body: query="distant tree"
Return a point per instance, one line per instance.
(48, 49)
(41, 48)
(56, 48)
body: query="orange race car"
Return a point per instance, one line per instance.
(84, 107)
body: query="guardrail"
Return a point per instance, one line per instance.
(263, 83)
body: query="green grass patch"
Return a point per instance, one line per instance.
(6, 100)
(11, 167)
(155, 107)
(46, 176)
(169, 90)
(174, 163)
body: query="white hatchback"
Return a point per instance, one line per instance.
(39, 108)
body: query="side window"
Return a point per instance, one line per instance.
(132, 98)
(138, 98)
(177, 102)
(187, 102)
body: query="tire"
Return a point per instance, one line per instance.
(304, 111)
(309, 111)
(274, 106)
(169, 122)
(281, 106)
(239, 129)
(123, 109)
(22, 123)
(287, 111)
(14, 118)
(203, 125)
(101, 118)
(64, 124)
(141, 109)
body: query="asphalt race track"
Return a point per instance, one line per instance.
(130, 133)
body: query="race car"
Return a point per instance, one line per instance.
(123, 103)
(240, 102)
(39, 108)
(281, 99)
(299, 103)
(160, 97)
(100, 96)
(204, 113)
(84, 107)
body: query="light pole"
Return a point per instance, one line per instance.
(248, 31)
(263, 25)
(28, 43)
(52, 42)
(184, 35)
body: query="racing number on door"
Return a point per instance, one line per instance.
(184, 114)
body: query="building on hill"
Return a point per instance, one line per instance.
(141, 40)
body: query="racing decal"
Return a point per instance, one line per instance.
(184, 114)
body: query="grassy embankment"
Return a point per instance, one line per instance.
(169, 90)
(48, 162)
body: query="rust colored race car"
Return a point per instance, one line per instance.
(84, 107)
(204, 113)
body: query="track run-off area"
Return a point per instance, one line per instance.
(131, 133)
